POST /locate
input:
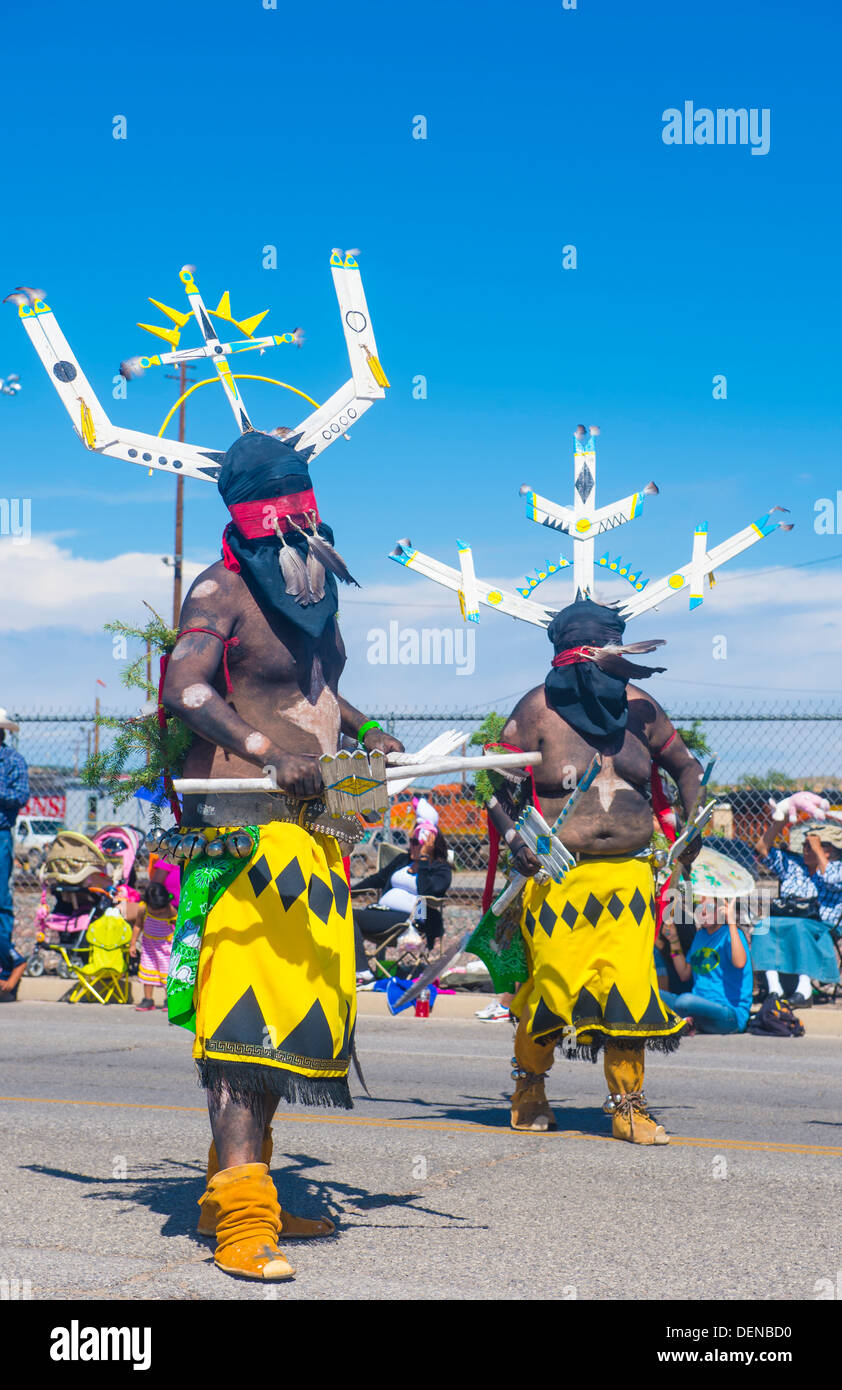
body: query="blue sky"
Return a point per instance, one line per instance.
(249, 127)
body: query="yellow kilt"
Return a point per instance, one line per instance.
(589, 941)
(276, 982)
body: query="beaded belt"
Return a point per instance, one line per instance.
(262, 808)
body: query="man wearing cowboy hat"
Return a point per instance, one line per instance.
(14, 794)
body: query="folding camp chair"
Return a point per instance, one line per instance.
(104, 976)
(408, 957)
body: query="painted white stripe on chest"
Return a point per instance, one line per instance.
(608, 783)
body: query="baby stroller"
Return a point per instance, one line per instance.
(84, 876)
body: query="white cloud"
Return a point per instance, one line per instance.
(46, 585)
(781, 626)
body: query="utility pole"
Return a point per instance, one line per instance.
(96, 720)
(149, 681)
(179, 500)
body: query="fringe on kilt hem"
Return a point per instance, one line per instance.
(248, 1084)
(589, 1051)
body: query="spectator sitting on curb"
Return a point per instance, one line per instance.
(720, 993)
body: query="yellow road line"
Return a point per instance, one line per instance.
(451, 1126)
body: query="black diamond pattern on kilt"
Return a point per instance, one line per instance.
(244, 1022)
(569, 915)
(290, 884)
(311, 1037)
(529, 921)
(260, 876)
(319, 898)
(545, 1021)
(547, 917)
(654, 1015)
(637, 906)
(617, 1011)
(587, 1008)
(592, 909)
(614, 906)
(341, 892)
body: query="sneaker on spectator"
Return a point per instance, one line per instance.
(144, 1006)
(364, 979)
(493, 1012)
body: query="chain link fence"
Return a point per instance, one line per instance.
(759, 751)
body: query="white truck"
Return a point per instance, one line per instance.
(32, 835)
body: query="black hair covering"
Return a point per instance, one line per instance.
(585, 624)
(590, 699)
(261, 466)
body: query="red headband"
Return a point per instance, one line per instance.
(572, 656)
(255, 520)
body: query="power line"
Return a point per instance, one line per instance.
(775, 569)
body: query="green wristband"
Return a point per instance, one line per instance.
(364, 728)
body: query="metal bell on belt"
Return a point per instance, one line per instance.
(238, 844)
(192, 846)
(168, 843)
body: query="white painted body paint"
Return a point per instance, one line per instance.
(194, 696)
(608, 783)
(207, 586)
(318, 711)
(257, 743)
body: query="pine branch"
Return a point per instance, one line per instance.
(141, 752)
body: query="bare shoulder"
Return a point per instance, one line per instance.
(527, 714)
(646, 706)
(215, 584)
(648, 716)
(216, 599)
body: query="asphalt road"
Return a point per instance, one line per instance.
(104, 1138)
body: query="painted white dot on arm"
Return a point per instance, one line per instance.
(207, 586)
(257, 743)
(194, 696)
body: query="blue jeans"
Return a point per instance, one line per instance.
(708, 1016)
(9, 957)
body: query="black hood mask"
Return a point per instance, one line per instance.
(277, 540)
(589, 693)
